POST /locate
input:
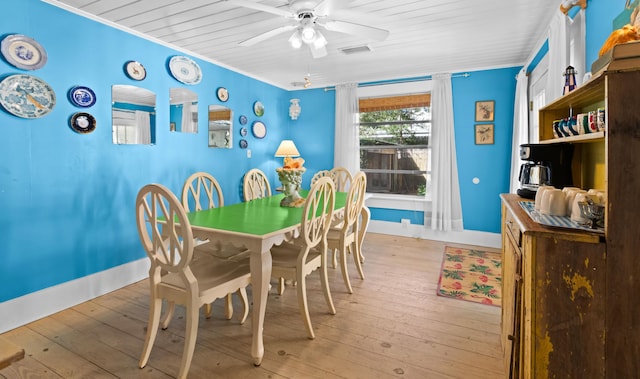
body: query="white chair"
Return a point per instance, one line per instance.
(202, 191)
(176, 274)
(308, 252)
(320, 174)
(255, 185)
(345, 237)
(341, 178)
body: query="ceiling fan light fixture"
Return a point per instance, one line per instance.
(308, 34)
(320, 41)
(296, 40)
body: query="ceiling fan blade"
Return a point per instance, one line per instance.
(264, 36)
(357, 29)
(261, 7)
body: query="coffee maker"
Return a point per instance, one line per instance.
(546, 164)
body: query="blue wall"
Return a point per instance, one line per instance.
(67, 199)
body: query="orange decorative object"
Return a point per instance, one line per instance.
(293, 162)
(626, 34)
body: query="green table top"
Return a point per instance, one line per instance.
(257, 217)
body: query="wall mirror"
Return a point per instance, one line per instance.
(220, 126)
(183, 110)
(133, 113)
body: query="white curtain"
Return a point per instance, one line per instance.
(144, 128)
(567, 46)
(558, 56)
(520, 127)
(346, 152)
(446, 207)
(577, 42)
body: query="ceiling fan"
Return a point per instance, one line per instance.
(307, 18)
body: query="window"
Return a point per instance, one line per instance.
(394, 144)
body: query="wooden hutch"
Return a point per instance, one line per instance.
(571, 304)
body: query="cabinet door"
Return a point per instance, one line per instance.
(511, 304)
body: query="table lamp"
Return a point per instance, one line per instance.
(290, 174)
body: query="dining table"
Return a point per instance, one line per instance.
(256, 225)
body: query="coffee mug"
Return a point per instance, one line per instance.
(553, 203)
(576, 213)
(569, 194)
(538, 198)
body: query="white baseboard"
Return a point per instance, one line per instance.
(25, 309)
(467, 237)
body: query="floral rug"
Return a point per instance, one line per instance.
(472, 275)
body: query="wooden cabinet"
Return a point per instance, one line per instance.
(570, 308)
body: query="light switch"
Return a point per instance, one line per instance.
(248, 153)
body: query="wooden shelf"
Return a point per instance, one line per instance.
(582, 138)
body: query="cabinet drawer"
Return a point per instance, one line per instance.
(513, 230)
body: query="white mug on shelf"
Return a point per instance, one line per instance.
(576, 213)
(553, 203)
(569, 194)
(539, 194)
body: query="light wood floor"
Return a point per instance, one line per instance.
(392, 326)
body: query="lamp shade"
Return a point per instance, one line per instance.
(287, 149)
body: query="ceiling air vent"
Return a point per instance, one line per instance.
(356, 49)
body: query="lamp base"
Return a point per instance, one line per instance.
(291, 179)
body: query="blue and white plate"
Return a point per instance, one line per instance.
(243, 120)
(243, 132)
(26, 96)
(244, 144)
(185, 70)
(82, 97)
(23, 52)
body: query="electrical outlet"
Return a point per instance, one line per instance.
(248, 153)
(405, 222)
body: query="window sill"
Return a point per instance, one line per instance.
(404, 202)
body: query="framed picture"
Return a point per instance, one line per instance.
(484, 110)
(484, 134)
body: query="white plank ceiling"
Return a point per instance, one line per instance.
(426, 36)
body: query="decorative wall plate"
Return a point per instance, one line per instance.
(244, 144)
(83, 122)
(258, 108)
(223, 94)
(243, 132)
(185, 70)
(26, 96)
(83, 97)
(135, 70)
(259, 129)
(23, 52)
(243, 120)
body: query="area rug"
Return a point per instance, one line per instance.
(472, 275)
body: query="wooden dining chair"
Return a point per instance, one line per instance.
(308, 252)
(202, 191)
(341, 178)
(344, 238)
(255, 185)
(176, 274)
(320, 174)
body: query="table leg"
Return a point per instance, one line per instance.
(365, 215)
(260, 277)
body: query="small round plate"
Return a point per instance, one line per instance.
(243, 132)
(259, 129)
(244, 144)
(135, 70)
(258, 109)
(26, 96)
(223, 94)
(83, 123)
(82, 97)
(23, 52)
(185, 70)
(243, 120)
